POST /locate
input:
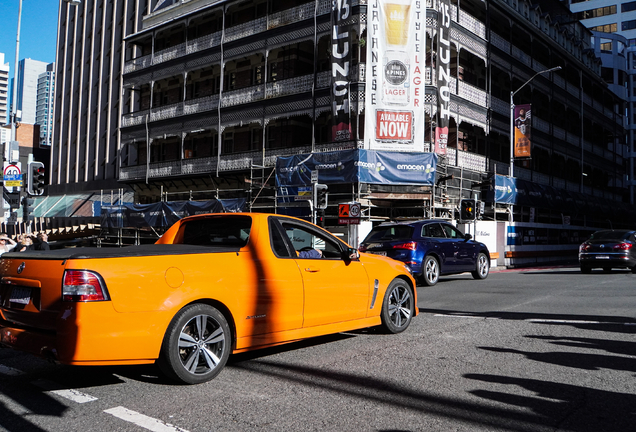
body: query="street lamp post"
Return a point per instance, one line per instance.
(512, 116)
(14, 99)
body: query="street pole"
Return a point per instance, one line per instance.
(512, 124)
(14, 99)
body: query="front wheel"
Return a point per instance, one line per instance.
(196, 345)
(430, 275)
(398, 307)
(483, 267)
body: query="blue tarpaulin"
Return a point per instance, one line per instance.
(352, 166)
(163, 214)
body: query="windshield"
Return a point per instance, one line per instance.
(610, 235)
(215, 231)
(389, 232)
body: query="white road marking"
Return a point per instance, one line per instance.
(6, 370)
(70, 394)
(459, 316)
(142, 420)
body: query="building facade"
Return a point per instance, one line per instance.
(27, 91)
(44, 105)
(4, 91)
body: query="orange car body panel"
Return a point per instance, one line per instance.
(267, 300)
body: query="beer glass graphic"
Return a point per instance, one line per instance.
(396, 59)
(397, 14)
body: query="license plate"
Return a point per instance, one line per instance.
(20, 295)
(378, 253)
(602, 257)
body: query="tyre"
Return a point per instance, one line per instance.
(430, 273)
(483, 267)
(607, 269)
(196, 346)
(586, 269)
(634, 269)
(398, 307)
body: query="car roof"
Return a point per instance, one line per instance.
(413, 223)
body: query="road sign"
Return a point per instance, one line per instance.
(314, 176)
(12, 175)
(349, 214)
(305, 193)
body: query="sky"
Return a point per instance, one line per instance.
(38, 30)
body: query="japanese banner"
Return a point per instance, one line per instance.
(394, 90)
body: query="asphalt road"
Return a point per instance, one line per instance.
(532, 350)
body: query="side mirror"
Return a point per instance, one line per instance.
(351, 254)
(467, 237)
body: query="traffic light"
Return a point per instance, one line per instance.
(467, 210)
(320, 196)
(35, 182)
(27, 203)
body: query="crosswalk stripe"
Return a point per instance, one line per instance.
(144, 421)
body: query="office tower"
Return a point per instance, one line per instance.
(4, 91)
(27, 91)
(44, 106)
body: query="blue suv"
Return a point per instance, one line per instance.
(430, 248)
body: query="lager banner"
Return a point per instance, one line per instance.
(394, 102)
(523, 128)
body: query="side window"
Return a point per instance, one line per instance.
(278, 243)
(433, 230)
(310, 244)
(452, 232)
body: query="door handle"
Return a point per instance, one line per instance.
(312, 269)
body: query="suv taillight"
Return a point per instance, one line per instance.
(584, 247)
(408, 245)
(83, 286)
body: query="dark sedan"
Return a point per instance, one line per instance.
(430, 248)
(608, 249)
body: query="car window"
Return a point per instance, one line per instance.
(216, 231)
(433, 230)
(389, 232)
(309, 241)
(452, 232)
(610, 235)
(278, 243)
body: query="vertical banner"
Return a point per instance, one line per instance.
(340, 64)
(394, 102)
(443, 76)
(523, 126)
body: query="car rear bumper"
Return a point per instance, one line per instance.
(597, 260)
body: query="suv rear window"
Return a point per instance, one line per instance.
(390, 232)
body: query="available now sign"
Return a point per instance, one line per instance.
(394, 125)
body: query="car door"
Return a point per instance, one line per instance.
(464, 249)
(445, 246)
(335, 289)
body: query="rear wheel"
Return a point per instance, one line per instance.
(483, 267)
(430, 273)
(586, 269)
(196, 345)
(634, 269)
(398, 307)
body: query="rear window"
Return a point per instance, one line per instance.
(221, 231)
(390, 232)
(611, 235)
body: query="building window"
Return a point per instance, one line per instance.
(607, 28)
(606, 46)
(626, 7)
(596, 13)
(628, 25)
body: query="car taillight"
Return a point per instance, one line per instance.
(584, 247)
(362, 248)
(623, 246)
(407, 245)
(83, 286)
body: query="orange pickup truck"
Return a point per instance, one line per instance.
(211, 285)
